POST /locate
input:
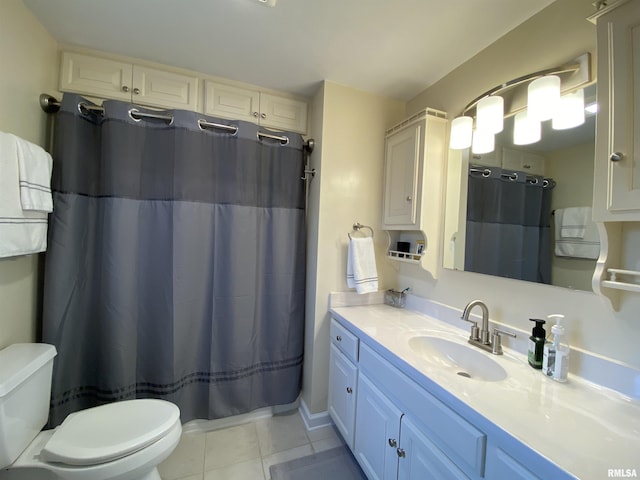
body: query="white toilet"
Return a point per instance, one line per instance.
(119, 441)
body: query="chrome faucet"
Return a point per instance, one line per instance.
(480, 336)
(483, 334)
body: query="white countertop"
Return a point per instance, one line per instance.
(584, 429)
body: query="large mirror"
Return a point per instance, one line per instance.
(521, 211)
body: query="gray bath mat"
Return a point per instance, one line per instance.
(334, 464)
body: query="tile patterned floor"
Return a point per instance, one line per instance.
(245, 452)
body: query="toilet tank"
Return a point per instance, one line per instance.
(25, 391)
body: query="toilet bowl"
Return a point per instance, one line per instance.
(118, 441)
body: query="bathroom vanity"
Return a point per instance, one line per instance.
(414, 400)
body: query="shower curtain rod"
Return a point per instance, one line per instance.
(50, 104)
(531, 179)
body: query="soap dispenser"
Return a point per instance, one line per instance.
(555, 361)
(536, 343)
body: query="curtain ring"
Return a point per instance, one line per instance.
(486, 173)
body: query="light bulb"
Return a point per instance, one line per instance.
(526, 130)
(461, 132)
(543, 97)
(570, 111)
(490, 114)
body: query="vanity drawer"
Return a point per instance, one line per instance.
(456, 437)
(346, 341)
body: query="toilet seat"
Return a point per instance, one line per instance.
(108, 432)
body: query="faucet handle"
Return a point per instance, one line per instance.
(496, 348)
(475, 331)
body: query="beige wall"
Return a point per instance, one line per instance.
(556, 35)
(349, 125)
(29, 60)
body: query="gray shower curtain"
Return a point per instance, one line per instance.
(508, 224)
(176, 266)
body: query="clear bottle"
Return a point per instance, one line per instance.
(555, 359)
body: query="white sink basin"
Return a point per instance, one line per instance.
(463, 360)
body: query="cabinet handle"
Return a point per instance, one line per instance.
(263, 115)
(255, 114)
(616, 156)
(136, 91)
(401, 453)
(393, 443)
(409, 198)
(338, 338)
(125, 88)
(349, 390)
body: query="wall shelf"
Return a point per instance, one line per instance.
(404, 256)
(614, 282)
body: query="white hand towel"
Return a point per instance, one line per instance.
(35, 166)
(586, 247)
(361, 265)
(575, 221)
(21, 232)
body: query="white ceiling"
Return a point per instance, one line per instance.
(395, 48)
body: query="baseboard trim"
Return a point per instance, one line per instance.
(314, 420)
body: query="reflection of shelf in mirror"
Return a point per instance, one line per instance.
(614, 282)
(404, 256)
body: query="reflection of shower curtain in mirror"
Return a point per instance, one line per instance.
(508, 224)
(176, 263)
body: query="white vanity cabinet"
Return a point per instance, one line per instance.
(271, 111)
(106, 78)
(343, 376)
(403, 430)
(378, 435)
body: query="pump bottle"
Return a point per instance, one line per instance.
(555, 360)
(536, 344)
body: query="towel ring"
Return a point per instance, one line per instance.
(358, 226)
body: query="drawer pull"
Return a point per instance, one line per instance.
(338, 338)
(393, 443)
(401, 453)
(349, 390)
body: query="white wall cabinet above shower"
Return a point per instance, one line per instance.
(271, 111)
(106, 78)
(414, 186)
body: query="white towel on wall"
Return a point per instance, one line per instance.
(34, 165)
(22, 231)
(587, 246)
(361, 265)
(575, 221)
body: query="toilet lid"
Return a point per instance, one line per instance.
(109, 432)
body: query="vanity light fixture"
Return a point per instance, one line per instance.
(570, 111)
(483, 141)
(490, 114)
(543, 96)
(526, 130)
(461, 133)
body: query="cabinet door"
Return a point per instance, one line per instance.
(96, 76)
(420, 459)
(617, 185)
(343, 376)
(164, 89)
(378, 432)
(283, 113)
(231, 102)
(402, 166)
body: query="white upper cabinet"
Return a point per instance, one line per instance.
(271, 111)
(617, 164)
(107, 78)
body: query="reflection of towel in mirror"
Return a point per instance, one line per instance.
(361, 265)
(587, 246)
(574, 221)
